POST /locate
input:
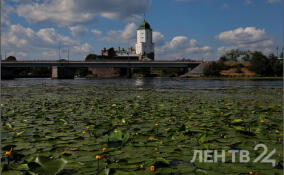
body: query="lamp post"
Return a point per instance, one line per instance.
(0, 68)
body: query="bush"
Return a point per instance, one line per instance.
(215, 68)
(266, 66)
(91, 57)
(11, 58)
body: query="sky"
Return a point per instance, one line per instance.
(191, 29)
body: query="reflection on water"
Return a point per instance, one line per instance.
(147, 82)
(139, 82)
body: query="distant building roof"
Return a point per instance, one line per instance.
(144, 25)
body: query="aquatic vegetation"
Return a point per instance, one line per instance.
(128, 130)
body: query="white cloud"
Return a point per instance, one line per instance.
(50, 53)
(23, 1)
(182, 47)
(97, 32)
(158, 39)
(44, 42)
(126, 36)
(243, 35)
(248, 38)
(73, 12)
(178, 42)
(268, 1)
(78, 30)
(273, 1)
(18, 55)
(85, 48)
(5, 15)
(222, 50)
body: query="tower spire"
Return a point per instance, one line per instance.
(144, 17)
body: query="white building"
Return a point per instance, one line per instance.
(145, 45)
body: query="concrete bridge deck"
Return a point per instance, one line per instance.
(67, 69)
(82, 64)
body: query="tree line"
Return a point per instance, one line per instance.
(259, 63)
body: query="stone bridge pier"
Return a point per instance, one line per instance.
(63, 72)
(7, 73)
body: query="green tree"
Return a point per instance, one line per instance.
(223, 58)
(91, 57)
(236, 54)
(276, 65)
(215, 68)
(266, 66)
(11, 58)
(259, 63)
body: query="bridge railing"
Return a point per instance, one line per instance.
(105, 61)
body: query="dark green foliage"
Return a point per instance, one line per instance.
(215, 68)
(11, 58)
(265, 66)
(236, 55)
(91, 57)
(47, 127)
(261, 64)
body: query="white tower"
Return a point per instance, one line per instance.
(145, 45)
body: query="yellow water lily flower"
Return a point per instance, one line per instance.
(152, 168)
(152, 138)
(104, 149)
(84, 132)
(98, 157)
(8, 153)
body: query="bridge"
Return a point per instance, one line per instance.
(66, 69)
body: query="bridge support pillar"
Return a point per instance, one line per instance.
(129, 72)
(7, 73)
(54, 73)
(63, 72)
(187, 70)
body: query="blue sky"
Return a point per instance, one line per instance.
(194, 29)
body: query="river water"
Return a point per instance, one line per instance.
(145, 82)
